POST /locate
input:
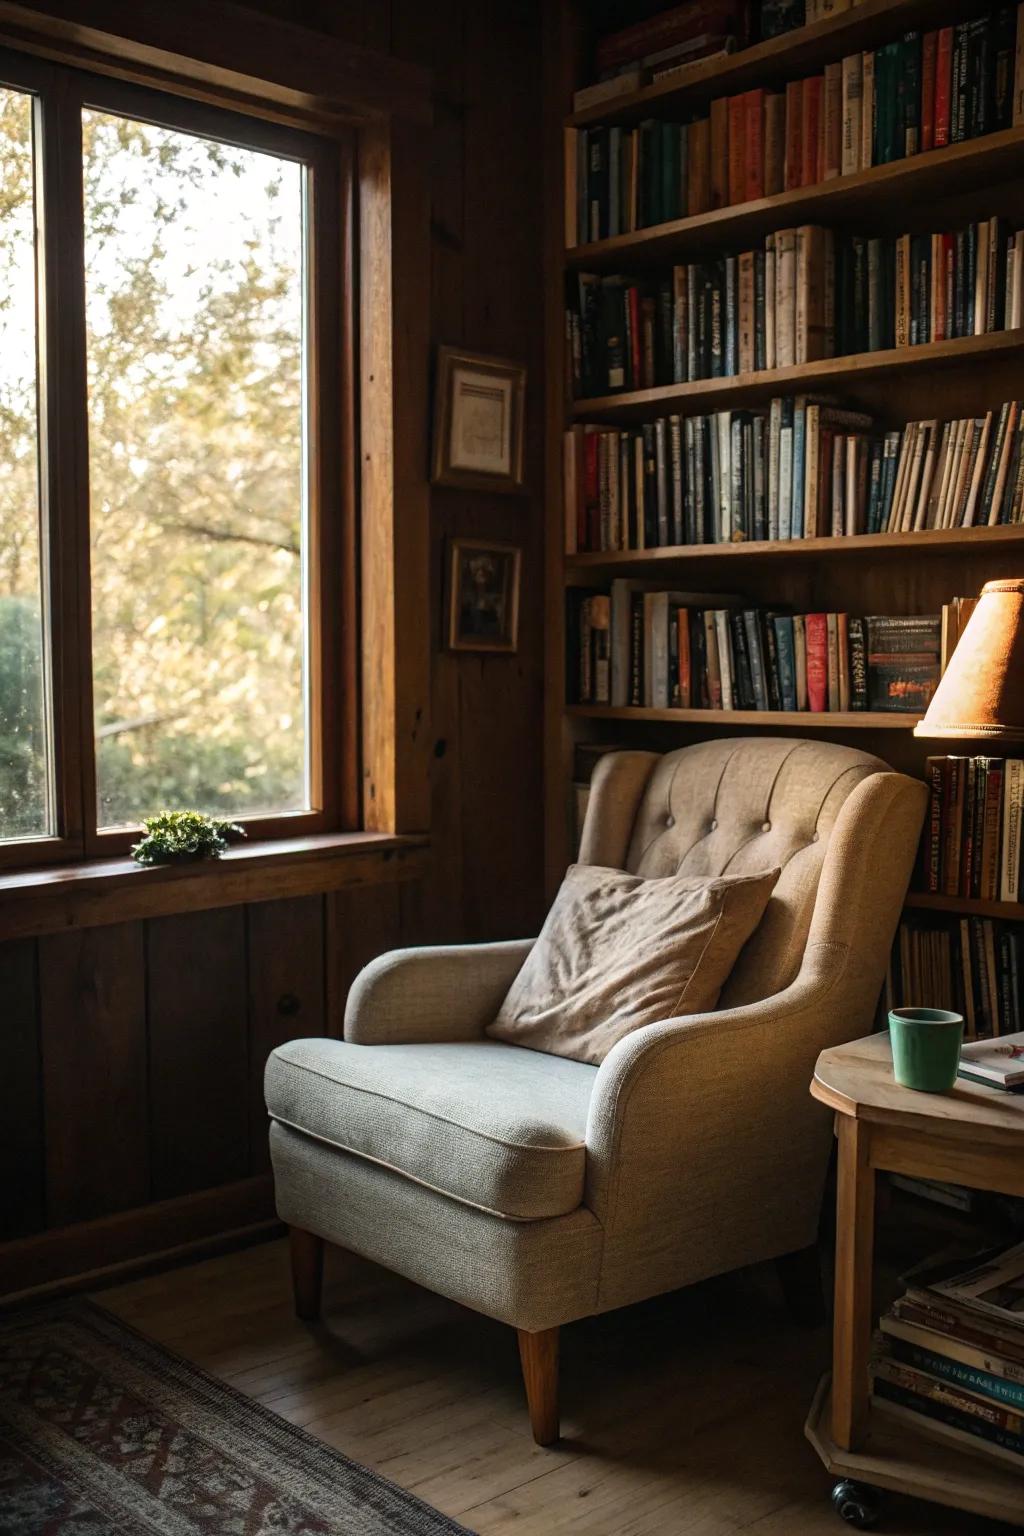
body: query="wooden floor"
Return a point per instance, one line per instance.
(681, 1417)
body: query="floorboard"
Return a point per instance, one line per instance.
(681, 1417)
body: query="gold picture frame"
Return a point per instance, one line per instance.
(483, 595)
(478, 421)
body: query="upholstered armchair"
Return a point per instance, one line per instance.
(538, 1189)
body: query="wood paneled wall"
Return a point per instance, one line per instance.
(133, 1054)
(486, 294)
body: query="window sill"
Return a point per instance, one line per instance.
(101, 891)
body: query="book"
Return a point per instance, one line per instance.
(999, 1062)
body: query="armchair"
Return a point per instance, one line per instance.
(538, 1189)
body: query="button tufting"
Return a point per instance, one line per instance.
(766, 826)
(816, 838)
(670, 821)
(713, 827)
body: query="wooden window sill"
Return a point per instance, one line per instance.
(101, 891)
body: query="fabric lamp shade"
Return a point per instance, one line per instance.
(981, 692)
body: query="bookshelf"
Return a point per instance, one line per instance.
(890, 573)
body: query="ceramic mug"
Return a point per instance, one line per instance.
(926, 1047)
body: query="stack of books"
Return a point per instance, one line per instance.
(642, 646)
(805, 294)
(995, 1063)
(802, 468)
(971, 844)
(971, 965)
(949, 1355)
(921, 92)
(663, 44)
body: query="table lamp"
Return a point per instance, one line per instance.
(981, 692)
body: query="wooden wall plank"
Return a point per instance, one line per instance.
(356, 931)
(21, 1098)
(286, 994)
(93, 1034)
(198, 1051)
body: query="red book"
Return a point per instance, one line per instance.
(943, 72)
(676, 25)
(591, 531)
(810, 130)
(737, 172)
(753, 150)
(929, 51)
(683, 626)
(794, 151)
(817, 662)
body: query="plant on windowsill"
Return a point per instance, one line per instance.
(179, 837)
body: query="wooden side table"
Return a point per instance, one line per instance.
(972, 1135)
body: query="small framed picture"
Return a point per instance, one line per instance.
(483, 603)
(478, 421)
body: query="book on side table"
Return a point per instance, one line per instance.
(999, 1063)
(949, 1354)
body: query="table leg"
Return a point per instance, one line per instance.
(855, 1238)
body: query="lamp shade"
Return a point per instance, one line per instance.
(981, 692)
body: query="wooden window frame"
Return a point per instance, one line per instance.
(372, 632)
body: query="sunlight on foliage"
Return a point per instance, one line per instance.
(194, 285)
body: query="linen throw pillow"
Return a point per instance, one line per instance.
(618, 951)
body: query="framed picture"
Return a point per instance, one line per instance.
(483, 601)
(478, 421)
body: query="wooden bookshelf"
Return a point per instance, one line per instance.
(902, 573)
(853, 374)
(966, 906)
(871, 546)
(804, 720)
(886, 195)
(802, 52)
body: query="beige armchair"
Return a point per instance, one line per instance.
(539, 1190)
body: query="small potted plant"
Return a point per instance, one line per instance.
(179, 837)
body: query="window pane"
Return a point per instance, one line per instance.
(25, 759)
(195, 327)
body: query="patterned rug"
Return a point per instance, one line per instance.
(103, 1433)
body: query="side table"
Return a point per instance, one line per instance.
(973, 1136)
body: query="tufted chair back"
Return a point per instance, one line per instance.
(736, 807)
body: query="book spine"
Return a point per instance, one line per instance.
(817, 661)
(852, 97)
(943, 86)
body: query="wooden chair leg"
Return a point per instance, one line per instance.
(800, 1277)
(307, 1251)
(538, 1354)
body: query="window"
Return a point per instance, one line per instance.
(169, 545)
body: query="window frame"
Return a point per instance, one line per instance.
(60, 92)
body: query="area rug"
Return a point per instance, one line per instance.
(103, 1433)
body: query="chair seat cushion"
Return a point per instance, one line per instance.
(488, 1124)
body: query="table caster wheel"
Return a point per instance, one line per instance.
(856, 1503)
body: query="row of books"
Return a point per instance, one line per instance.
(804, 468)
(948, 1358)
(915, 94)
(971, 844)
(803, 295)
(666, 43)
(639, 645)
(971, 965)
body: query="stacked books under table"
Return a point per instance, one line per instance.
(949, 1356)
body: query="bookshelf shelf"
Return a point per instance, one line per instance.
(800, 52)
(932, 541)
(832, 720)
(965, 906)
(893, 364)
(883, 194)
(884, 573)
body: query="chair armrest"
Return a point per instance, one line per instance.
(681, 1101)
(446, 992)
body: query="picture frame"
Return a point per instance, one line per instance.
(478, 421)
(483, 595)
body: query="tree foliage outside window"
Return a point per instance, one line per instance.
(196, 359)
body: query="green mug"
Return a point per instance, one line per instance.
(926, 1047)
